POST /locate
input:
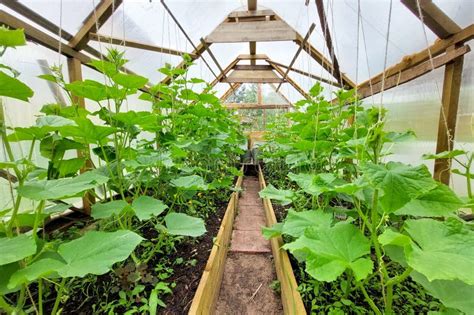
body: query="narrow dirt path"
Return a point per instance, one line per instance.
(249, 269)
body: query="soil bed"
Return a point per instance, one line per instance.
(187, 277)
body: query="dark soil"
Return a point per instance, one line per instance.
(187, 277)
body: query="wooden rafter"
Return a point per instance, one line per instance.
(327, 37)
(230, 91)
(197, 52)
(281, 94)
(293, 83)
(138, 45)
(434, 50)
(305, 40)
(323, 61)
(309, 75)
(433, 17)
(224, 72)
(97, 18)
(412, 73)
(48, 41)
(23, 10)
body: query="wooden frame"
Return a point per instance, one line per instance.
(305, 40)
(290, 296)
(96, 18)
(205, 298)
(138, 45)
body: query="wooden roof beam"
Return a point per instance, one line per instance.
(256, 76)
(251, 14)
(293, 83)
(97, 18)
(48, 41)
(323, 61)
(309, 75)
(434, 50)
(137, 45)
(36, 18)
(306, 38)
(327, 37)
(412, 73)
(433, 17)
(227, 93)
(223, 73)
(250, 57)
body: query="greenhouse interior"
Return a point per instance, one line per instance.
(236, 157)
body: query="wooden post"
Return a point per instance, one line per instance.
(75, 74)
(448, 116)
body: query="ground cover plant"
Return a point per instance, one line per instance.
(152, 178)
(367, 234)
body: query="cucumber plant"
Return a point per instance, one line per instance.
(144, 169)
(356, 217)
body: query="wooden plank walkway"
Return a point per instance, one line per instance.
(249, 269)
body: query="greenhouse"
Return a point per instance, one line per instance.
(236, 157)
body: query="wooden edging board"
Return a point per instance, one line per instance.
(205, 298)
(290, 297)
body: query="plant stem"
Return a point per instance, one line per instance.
(39, 211)
(58, 297)
(40, 296)
(5, 306)
(369, 300)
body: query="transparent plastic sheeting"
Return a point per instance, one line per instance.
(414, 105)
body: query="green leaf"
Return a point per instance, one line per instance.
(452, 293)
(108, 209)
(441, 253)
(285, 197)
(71, 166)
(130, 81)
(16, 248)
(182, 224)
(399, 182)
(297, 222)
(444, 155)
(14, 88)
(438, 202)
(90, 89)
(321, 183)
(87, 131)
(12, 38)
(39, 269)
(332, 250)
(147, 207)
(54, 121)
(96, 252)
(273, 231)
(106, 67)
(192, 182)
(61, 188)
